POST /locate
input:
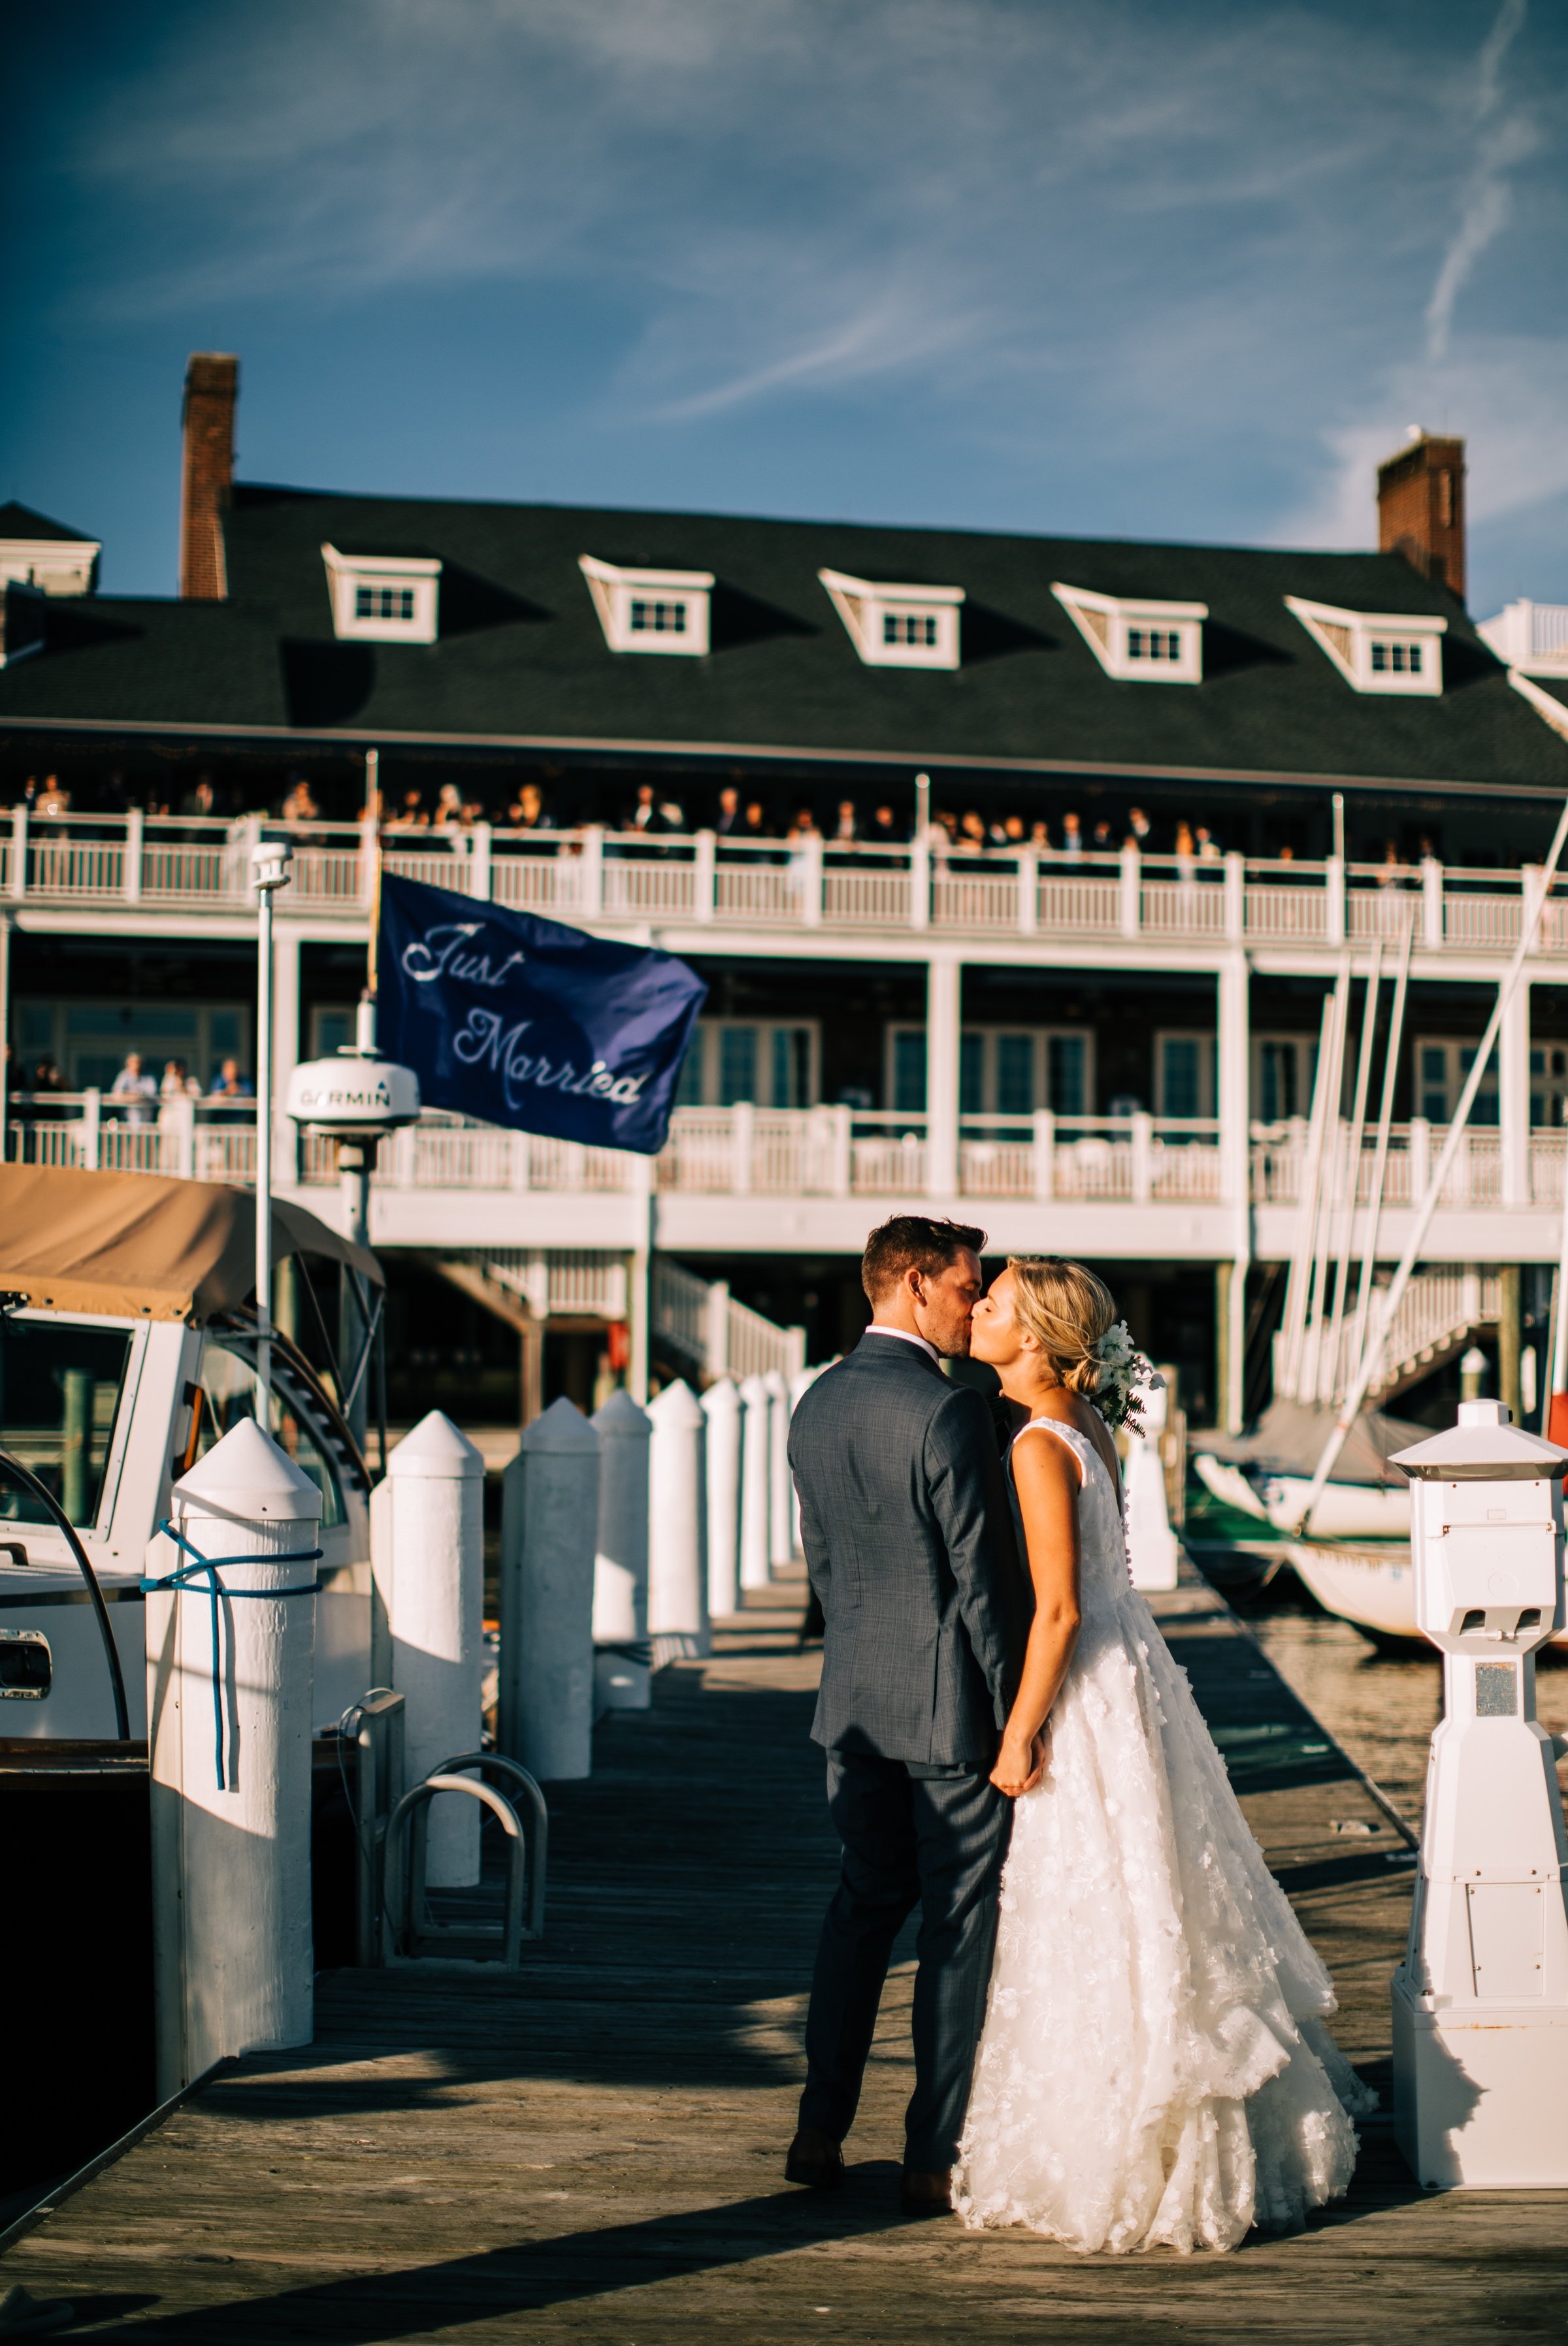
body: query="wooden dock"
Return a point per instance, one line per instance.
(595, 2151)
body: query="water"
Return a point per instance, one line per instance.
(1380, 1711)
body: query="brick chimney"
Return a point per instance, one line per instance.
(211, 388)
(1420, 509)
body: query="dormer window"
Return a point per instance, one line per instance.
(1138, 642)
(896, 626)
(383, 598)
(37, 552)
(649, 610)
(1377, 652)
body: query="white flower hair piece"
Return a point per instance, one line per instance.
(1124, 1377)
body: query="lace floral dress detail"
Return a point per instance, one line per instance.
(1155, 2067)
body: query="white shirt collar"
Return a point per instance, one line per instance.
(905, 1336)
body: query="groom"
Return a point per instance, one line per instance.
(908, 1540)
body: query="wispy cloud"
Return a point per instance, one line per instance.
(1503, 137)
(1147, 266)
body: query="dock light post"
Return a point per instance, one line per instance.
(356, 1097)
(1480, 2001)
(270, 863)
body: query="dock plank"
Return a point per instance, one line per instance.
(594, 2151)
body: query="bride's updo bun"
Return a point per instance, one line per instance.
(1067, 1311)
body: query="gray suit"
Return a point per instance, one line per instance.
(909, 1543)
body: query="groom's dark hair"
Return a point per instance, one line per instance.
(913, 1242)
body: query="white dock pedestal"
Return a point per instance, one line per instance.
(428, 1552)
(724, 1410)
(678, 1627)
(756, 1484)
(621, 1672)
(1152, 1553)
(549, 1526)
(230, 1754)
(780, 1486)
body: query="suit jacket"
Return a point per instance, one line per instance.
(909, 1543)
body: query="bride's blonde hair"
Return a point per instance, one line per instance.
(1067, 1311)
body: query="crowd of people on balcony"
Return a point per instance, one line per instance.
(447, 813)
(137, 1096)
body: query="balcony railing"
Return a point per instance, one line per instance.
(821, 1152)
(196, 863)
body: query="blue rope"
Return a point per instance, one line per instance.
(186, 1577)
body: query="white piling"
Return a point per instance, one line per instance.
(230, 1760)
(756, 1476)
(780, 1487)
(1152, 1553)
(801, 1384)
(429, 1562)
(549, 1520)
(723, 1409)
(621, 1674)
(677, 1529)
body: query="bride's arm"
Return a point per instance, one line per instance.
(1045, 1476)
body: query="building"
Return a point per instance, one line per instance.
(1120, 814)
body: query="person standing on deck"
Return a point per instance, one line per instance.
(909, 1543)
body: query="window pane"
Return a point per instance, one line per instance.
(791, 1066)
(737, 1065)
(1015, 1075)
(365, 602)
(1181, 1086)
(228, 1381)
(970, 1075)
(59, 1392)
(909, 1072)
(689, 1090)
(1068, 1070)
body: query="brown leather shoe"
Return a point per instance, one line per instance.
(923, 2192)
(815, 2159)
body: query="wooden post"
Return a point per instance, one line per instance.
(549, 1520)
(1507, 1380)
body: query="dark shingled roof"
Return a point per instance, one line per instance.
(21, 521)
(522, 656)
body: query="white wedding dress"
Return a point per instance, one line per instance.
(1154, 2068)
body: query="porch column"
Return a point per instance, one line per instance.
(944, 980)
(1233, 1087)
(1513, 1097)
(639, 1283)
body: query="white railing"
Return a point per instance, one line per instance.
(824, 1152)
(703, 1321)
(197, 863)
(1437, 1312)
(555, 1280)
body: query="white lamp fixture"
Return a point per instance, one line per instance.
(1138, 641)
(383, 598)
(1480, 2001)
(1377, 651)
(650, 610)
(896, 626)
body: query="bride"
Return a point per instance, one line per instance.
(1154, 2068)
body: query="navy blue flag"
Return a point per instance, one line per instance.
(524, 1022)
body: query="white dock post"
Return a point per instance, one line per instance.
(756, 1474)
(722, 1407)
(435, 1522)
(1151, 1544)
(621, 1672)
(801, 1384)
(780, 1491)
(230, 1759)
(549, 1523)
(678, 1527)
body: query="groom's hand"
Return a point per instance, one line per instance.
(1020, 1763)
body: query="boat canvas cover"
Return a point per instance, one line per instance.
(1290, 1437)
(143, 1246)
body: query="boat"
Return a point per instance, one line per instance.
(127, 1349)
(1268, 1471)
(1372, 1585)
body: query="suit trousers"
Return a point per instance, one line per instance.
(933, 1838)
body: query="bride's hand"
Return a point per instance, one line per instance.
(1021, 1762)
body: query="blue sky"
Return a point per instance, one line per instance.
(1137, 268)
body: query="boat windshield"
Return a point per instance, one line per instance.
(227, 1378)
(60, 1387)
